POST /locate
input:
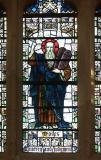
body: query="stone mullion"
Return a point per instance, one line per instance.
(12, 79)
(86, 80)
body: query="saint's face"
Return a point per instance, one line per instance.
(49, 47)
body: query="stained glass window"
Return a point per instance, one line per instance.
(3, 41)
(98, 80)
(50, 99)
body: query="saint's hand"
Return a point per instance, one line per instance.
(56, 70)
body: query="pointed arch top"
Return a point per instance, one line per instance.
(49, 6)
(2, 11)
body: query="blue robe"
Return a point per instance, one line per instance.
(54, 94)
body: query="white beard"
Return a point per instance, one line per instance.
(50, 55)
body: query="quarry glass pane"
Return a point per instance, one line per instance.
(3, 41)
(97, 23)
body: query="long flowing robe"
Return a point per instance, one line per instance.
(51, 94)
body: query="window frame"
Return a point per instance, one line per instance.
(86, 12)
